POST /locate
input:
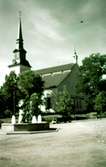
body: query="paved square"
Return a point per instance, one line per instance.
(76, 144)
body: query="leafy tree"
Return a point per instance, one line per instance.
(2, 104)
(64, 103)
(100, 102)
(35, 101)
(27, 114)
(102, 84)
(32, 86)
(30, 83)
(31, 107)
(92, 69)
(10, 93)
(20, 87)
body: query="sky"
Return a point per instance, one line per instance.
(51, 31)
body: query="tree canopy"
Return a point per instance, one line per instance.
(92, 69)
(19, 87)
(31, 86)
(10, 92)
(30, 83)
(100, 102)
(64, 103)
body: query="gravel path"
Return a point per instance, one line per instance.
(76, 144)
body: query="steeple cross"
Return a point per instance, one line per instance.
(76, 56)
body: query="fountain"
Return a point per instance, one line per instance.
(34, 126)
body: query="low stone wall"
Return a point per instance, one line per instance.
(8, 127)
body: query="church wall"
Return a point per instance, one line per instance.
(24, 68)
(71, 81)
(16, 69)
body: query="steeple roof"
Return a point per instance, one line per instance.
(19, 41)
(20, 30)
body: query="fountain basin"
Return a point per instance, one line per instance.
(8, 127)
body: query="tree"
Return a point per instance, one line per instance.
(30, 83)
(35, 102)
(102, 84)
(64, 103)
(19, 87)
(92, 69)
(27, 114)
(10, 93)
(32, 86)
(2, 104)
(31, 107)
(100, 102)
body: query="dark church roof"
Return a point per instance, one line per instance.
(54, 69)
(53, 80)
(53, 76)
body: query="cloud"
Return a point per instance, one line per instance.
(52, 28)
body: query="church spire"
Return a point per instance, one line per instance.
(19, 59)
(20, 27)
(20, 36)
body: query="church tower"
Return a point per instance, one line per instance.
(19, 62)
